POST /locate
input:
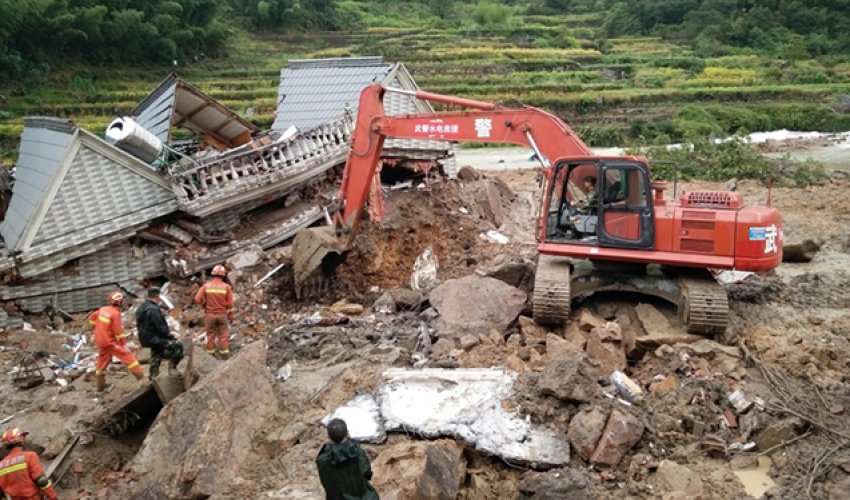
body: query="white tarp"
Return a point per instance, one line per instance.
(465, 404)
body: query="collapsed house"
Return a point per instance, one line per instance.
(88, 214)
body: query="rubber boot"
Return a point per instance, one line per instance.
(100, 383)
(224, 355)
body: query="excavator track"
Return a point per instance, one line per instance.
(704, 306)
(552, 290)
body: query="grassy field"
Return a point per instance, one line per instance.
(614, 91)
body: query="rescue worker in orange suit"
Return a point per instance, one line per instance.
(21, 475)
(109, 337)
(216, 297)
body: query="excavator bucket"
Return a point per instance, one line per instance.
(316, 253)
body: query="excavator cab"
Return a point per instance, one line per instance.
(601, 202)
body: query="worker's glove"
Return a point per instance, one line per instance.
(231, 315)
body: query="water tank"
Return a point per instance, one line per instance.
(131, 137)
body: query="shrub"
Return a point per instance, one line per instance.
(731, 159)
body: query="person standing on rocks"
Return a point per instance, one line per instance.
(344, 468)
(154, 334)
(216, 297)
(21, 475)
(109, 337)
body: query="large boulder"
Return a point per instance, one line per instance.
(555, 484)
(514, 271)
(571, 379)
(431, 470)
(476, 305)
(200, 440)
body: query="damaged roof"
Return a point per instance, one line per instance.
(175, 103)
(314, 91)
(73, 187)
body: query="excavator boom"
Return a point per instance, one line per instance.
(544, 133)
(317, 251)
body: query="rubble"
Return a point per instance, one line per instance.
(513, 270)
(604, 344)
(586, 429)
(433, 469)
(621, 433)
(658, 329)
(385, 304)
(200, 439)
(799, 250)
(331, 352)
(779, 432)
(461, 313)
(679, 479)
(555, 484)
(466, 404)
(570, 379)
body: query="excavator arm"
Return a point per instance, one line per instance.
(547, 135)
(317, 252)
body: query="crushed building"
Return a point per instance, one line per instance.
(87, 214)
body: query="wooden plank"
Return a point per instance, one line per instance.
(53, 468)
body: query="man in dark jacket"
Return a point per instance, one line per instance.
(344, 468)
(154, 334)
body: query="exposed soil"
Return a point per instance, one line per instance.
(792, 327)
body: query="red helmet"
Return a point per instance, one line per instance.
(219, 270)
(116, 298)
(13, 435)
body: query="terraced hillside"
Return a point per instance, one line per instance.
(612, 91)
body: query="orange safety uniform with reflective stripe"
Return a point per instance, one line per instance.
(108, 329)
(216, 296)
(109, 337)
(19, 472)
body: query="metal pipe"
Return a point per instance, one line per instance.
(540, 157)
(445, 99)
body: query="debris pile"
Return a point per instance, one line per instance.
(176, 210)
(454, 390)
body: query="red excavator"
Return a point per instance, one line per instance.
(603, 224)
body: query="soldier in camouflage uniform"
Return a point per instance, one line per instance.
(154, 334)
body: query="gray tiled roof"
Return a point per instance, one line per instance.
(97, 190)
(73, 187)
(314, 92)
(44, 143)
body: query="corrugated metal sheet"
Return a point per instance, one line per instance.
(119, 262)
(314, 92)
(44, 144)
(177, 103)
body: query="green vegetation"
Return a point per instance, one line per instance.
(732, 159)
(652, 75)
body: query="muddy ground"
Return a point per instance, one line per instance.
(790, 334)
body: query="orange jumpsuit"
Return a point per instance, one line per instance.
(216, 297)
(20, 475)
(109, 337)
